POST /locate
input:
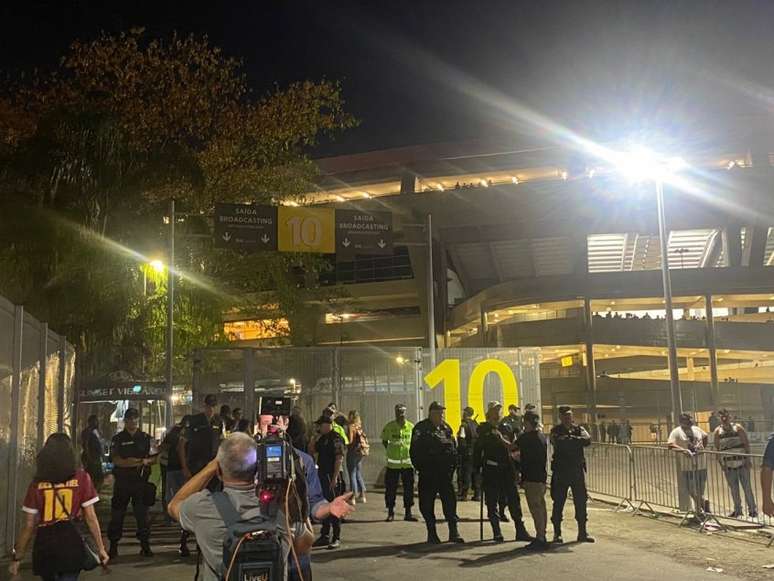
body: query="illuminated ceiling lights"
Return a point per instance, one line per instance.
(340, 198)
(484, 183)
(366, 195)
(515, 180)
(563, 174)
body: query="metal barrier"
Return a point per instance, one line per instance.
(610, 472)
(712, 486)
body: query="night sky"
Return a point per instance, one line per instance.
(429, 71)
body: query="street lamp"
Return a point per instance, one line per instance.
(641, 165)
(157, 265)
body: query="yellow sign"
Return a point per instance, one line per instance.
(448, 372)
(567, 361)
(306, 230)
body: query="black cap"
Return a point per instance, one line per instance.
(565, 409)
(131, 413)
(400, 406)
(435, 406)
(469, 411)
(211, 400)
(324, 420)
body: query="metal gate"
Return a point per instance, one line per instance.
(371, 380)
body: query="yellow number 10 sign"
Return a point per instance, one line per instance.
(448, 372)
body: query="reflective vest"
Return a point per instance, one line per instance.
(398, 444)
(340, 431)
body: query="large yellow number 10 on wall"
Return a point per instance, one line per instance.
(448, 373)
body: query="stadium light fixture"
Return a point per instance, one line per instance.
(157, 265)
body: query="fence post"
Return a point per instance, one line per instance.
(61, 387)
(248, 372)
(43, 365)
(336, 379)
(13, 451)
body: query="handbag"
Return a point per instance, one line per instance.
(365, 447)
(91, 558)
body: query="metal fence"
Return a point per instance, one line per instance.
(36, 394)
(369, 379)
(709, 486)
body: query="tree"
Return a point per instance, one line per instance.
(91, 152)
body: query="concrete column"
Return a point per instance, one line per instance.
(483, 328)
(713, 352)
(732, 244)
(591, 372)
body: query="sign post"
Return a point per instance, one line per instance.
(246, 227)
(368, 233)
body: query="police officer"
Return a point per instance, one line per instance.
(329, 448)
(493, 459)
(466, 444)
(434, 454)
(130, 451)
(396, 439)
(568, 467)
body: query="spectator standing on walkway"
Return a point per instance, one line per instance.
(714, 422)
(533, 455)
(625, 431)
(602, 432)
(297, 430)
(568, 472)
(92, 451)
(690, 441)
(396, 439)
(731, 439)
(226, 419)
(750, 424)
(612, 432)
(357, 450)
(57, 495)
(767, 469)
(175, 477)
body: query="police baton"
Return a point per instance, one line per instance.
(481, 513)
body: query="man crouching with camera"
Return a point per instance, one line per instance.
(220, 527)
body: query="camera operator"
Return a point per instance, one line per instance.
(308, 478)
(193, 506)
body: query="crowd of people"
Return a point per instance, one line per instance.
(208, 472)
(209, 462)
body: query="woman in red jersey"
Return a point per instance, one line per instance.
(58, 494)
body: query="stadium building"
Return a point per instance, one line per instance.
(540, 247)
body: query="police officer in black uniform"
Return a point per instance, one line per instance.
(466, 444)
(568, 468)
(130, 450)
(493, 458)
(434, 455)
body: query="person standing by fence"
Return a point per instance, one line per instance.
(466, 443)
(690, 441)
(568, 471)
(602, 432)
(92, 451)
(533, 455)
(357, 450)
(731, 439)
(396, 439)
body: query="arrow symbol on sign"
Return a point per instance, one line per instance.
(381, 244)
(227, 236)
(346, 243)
(265, 238)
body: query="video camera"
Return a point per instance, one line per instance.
(275, 457)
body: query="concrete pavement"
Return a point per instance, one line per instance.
(630, 548)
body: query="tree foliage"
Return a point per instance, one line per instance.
(90, 154)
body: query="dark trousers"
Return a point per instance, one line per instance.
(124, 491)
(434, 483)
(164, 490)
(391, 478)
(500, 485)
(330, 492)
(465, 477)
(560, 483)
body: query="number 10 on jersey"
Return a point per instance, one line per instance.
(449, 373)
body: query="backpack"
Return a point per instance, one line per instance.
(251, 548)
(199, 442)
(365, 447)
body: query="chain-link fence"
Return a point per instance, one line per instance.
(36, 394)
(371, 380)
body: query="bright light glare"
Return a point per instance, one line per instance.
(400, 360)
(641, 164)
(157, 265)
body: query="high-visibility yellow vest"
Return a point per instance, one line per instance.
(398, 444)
